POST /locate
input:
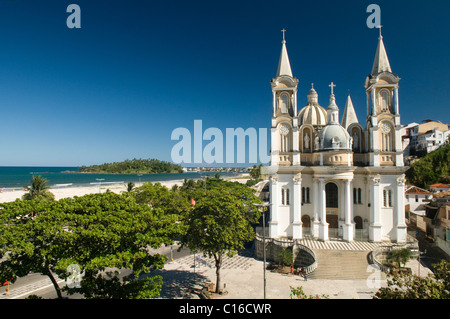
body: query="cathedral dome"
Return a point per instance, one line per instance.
(334, 137)
(312, 113)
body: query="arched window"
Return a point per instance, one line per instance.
(386, 137)
(285, 196)
(285, 142)
(332, 197)
(357, 199)
(387, 197)
(306, 195)
(284, 102)
(356, 140)
(384, 100)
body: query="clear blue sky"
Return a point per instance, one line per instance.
(136, 70)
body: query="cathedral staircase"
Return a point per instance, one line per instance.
(340, 260)
(341, 264)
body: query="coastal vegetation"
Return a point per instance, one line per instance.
(88, 240)
(38, 189)
(98, 234)
(220, 221)
(134, 166)
(430, 169)
(401, 285)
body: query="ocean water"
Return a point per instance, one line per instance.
(12, 177)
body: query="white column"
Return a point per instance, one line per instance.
(348, 226)
(274, 146)
(295, 102)
(368, 103)
(274, 102)
(373, 101)
(295, 147)
(316, 207)
(399, 211)
(375, 210)
(274, 206)
(297, 209)
(323, 226)
(396, 101)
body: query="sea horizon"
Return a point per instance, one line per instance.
(12, 177)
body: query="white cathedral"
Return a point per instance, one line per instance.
(331, 180)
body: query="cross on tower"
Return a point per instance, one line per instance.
(379, 27)
(284, 30)
(332, 85)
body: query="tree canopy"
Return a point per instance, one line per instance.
(38, 189)
(134, 166)
(430, 169)
(219, 222)
(100, 233)
(405, 286)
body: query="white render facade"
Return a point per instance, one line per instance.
(331, 179)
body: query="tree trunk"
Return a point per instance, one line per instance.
(218, 259)
(53, 280)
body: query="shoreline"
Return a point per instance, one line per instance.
(11, 195)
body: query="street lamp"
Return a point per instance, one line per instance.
(264, 205)
(420, 254)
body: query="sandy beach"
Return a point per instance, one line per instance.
(66, 192)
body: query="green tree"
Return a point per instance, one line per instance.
(300, 294)
(255, 172)
(400, 256)
(38, 189)
(101, 233)
(156, 195)
(430, 169)
(130, 186)
(405, 286)
(220, 222)
(285, 257)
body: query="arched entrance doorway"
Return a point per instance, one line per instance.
(358, 222)
(332, 204)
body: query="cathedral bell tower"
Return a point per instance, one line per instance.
(284, 132)
(383, 117)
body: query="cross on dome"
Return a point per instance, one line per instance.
(332, 85)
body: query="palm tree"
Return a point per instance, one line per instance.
(38, 189)
(130, 186)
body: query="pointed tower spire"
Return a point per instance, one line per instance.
(333, 110)
(284, 66)
(349, 116)
(381, 62)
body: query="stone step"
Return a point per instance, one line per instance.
(341, 264)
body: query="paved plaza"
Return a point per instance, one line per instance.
(242, 275)
(243, 279)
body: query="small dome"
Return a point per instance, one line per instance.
(313, 113)
(334, 137)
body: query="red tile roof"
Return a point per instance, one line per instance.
(440, 185)
(417, 190)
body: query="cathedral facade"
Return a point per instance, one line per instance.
(332, 178)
